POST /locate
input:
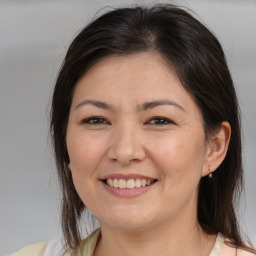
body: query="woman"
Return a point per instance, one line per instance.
(146, 132)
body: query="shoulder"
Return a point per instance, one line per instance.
(86, 246)
(55, 247)
(227, 250)
(34, 249)
(245, 253)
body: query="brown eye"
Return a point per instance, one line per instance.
(95, 120)
(159, 121)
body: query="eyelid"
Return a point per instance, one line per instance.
(166, 120)
(100, 120)
(87, 120)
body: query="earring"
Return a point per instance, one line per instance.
(210, 173)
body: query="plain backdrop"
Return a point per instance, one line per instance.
(34, 36)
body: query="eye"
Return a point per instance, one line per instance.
(160, 121)
(95, 120)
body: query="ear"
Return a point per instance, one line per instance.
(217, 147)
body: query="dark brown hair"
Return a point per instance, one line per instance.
(199, 61)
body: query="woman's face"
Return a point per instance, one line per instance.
(136, 143)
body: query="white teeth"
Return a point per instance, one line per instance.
(115, 183)
(110, 182)
(137, 183)
(131, 183)
(122, 183)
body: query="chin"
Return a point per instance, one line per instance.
(128, 221)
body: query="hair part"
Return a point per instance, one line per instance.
(199, 61)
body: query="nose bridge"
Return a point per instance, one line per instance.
(126, 145)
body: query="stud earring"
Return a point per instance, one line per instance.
(210, 173)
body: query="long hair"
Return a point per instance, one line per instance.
(198, 59)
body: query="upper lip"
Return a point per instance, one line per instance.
(126, 176)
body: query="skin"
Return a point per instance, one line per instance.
(130, 140)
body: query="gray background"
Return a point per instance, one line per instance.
(34, 36)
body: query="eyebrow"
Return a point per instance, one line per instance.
(143, 107)
(152, 104)
(95, 103)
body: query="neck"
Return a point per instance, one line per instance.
(177, 238)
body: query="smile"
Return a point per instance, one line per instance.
(128, 184)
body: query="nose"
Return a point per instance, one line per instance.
(126, 146)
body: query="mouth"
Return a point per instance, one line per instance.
(130, 183)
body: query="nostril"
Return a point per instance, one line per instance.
(126, 149)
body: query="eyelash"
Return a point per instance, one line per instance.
(95, 120)
(161, 121)
(98, 120)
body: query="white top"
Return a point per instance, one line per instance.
(218, 243)
(87, 247)
(55, 248)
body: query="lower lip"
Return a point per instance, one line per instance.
(127, 192)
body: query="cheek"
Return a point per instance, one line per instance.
(83, 160)
(178, 156)
(83, 156)
(83, 152)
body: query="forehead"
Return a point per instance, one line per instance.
(137, 77)
(138, 65)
